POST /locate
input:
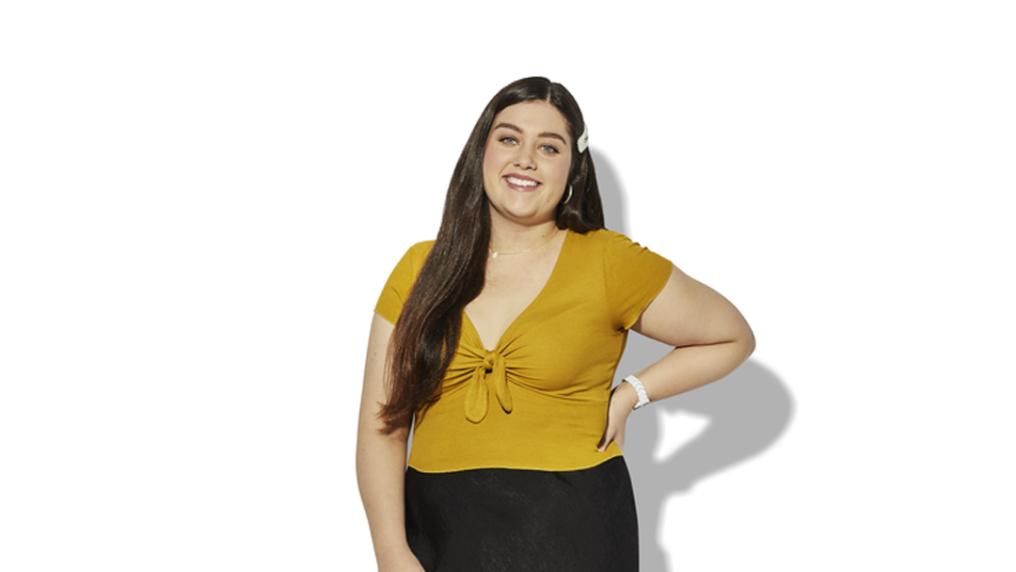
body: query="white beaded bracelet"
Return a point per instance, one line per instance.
(640, 389)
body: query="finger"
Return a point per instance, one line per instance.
(603, 437)
(605, 441)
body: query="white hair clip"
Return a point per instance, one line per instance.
(583, 139)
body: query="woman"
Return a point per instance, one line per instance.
(500, 338)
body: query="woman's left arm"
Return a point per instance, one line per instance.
(710, 337)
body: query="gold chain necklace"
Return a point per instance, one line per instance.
(495, 253)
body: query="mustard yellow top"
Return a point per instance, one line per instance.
(539, 399)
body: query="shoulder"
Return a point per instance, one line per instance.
(419, 250)
(633, 274)
(412, 258)
(597, 236)
(620, 251)
(611, 242)
(416, 255)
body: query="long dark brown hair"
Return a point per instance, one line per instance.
(427, 331)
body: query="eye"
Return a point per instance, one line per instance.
(552, 148)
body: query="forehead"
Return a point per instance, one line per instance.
(533, 116)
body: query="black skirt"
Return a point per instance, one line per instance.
(501, 520)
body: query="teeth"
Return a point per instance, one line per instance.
(521, 182)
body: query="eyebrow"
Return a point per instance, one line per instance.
(544, 134)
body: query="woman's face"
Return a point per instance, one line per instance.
(529, 139)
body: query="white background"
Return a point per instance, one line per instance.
(202, 200)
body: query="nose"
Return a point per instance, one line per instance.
(524, 158)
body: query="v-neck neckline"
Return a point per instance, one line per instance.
(562, 251)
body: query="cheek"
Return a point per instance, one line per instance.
(490, 162)
(494, 158)
(559, 173)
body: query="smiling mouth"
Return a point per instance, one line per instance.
(520, 184)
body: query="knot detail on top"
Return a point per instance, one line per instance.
(489, 371)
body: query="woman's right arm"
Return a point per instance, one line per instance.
(381, 463)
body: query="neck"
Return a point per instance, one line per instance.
(514, 237)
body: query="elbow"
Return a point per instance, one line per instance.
(749, 343)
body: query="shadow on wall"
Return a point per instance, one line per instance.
(745, 413)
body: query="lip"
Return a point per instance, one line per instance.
(521, 189)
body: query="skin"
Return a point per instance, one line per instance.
(710, 338)
(524, 220)
(711, 334)
(522, 223)
(380, 462)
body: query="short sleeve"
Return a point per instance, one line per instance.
(396, 289)
(634, 276)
